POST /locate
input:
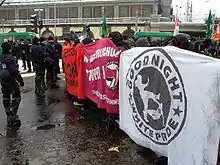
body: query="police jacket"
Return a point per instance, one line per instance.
(27, 49)
(37, 54)
(51, 50)
(58, 48)
(11, 66)
(21, 49)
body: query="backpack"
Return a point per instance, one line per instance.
(5, 75)
(48, 61)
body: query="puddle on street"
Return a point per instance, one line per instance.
(67, 134)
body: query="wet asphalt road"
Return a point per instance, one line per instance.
(66, 134)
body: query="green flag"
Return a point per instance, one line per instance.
(104, 27)
(210, 22)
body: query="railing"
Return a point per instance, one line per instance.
(76, 21)
(123, 20)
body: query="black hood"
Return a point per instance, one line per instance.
(142, 42)
(6, 58)
(182, 41)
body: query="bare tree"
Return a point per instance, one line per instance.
(2, 2)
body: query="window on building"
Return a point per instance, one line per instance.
(123, 11)
(30, 12)
(10, 14)
(51, 13)
(63, 12)
(97, 11)
(73, 12)
(134, 9)
(87, 12)
(3, 14)
(147, 10)
(23, 14)
(109, 11)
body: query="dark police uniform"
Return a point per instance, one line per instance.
(10, 77)
(37, 56)
(22, 50)
(51, 69)
(58, 48)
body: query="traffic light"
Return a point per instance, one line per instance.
(34, 23)
(40, 24)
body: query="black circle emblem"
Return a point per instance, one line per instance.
(157, 96)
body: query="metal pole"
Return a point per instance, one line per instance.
(136, 23)
(3, 27)
(39, 17)
(55, 19)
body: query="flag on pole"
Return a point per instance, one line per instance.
(210, 23)
(216, 35)
(177, 27)
(104, 27)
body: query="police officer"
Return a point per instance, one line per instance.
(14, 49)
(22, 49)
(29, 60)
(10, 79)
(47, 60)
(37, 56)
(58, 48)
(51, 69)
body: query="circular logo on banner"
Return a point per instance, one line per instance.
(157, 96)
(112, 75)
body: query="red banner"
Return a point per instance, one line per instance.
(69, 68)
(101, 62)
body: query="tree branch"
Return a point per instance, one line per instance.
(3, 1)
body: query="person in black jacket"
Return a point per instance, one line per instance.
(58, 48)
(29, 60)
(10, 79)
(22, 50)
(14, 49)
(38, 56)
(51, 69)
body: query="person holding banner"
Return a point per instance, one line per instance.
(117, 39)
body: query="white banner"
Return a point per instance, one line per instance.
(170, 103)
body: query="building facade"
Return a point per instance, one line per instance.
(86, 9)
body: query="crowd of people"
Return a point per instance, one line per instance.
(42, 56)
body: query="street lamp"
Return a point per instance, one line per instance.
(55, 18)
(136, 21)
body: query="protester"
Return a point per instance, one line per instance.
(142, 42)
(10, 79)
(117, 39)
(180, 41)
(129, 32)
